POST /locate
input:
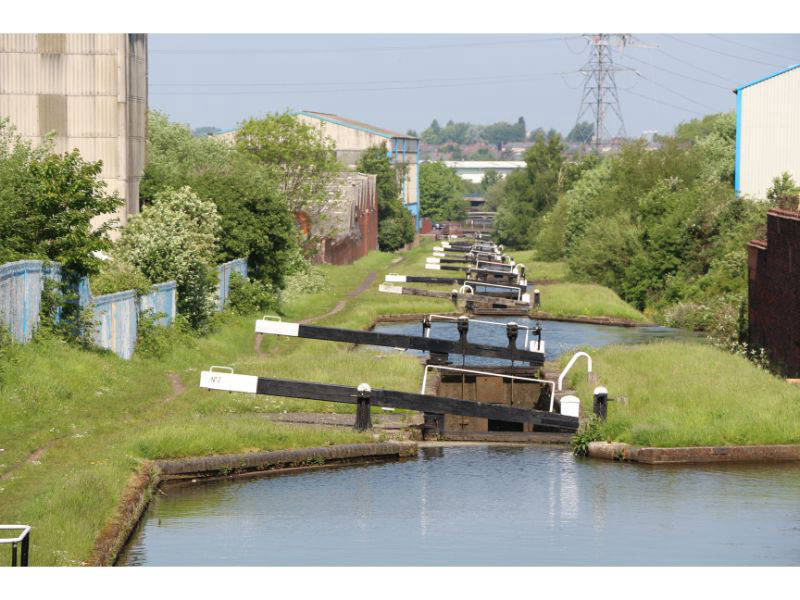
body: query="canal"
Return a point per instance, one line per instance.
(559, 337)
(482, 505)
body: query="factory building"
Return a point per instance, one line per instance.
(474, 170)
(91, 91)
(767, 131)
(353, 137)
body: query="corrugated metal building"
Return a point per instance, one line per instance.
(767, 131)
(91, 90)
(353, 137)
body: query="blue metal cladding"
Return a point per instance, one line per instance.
(736, 168)
(116, 317)
(162, 299)
(21, 285)
(238, 265)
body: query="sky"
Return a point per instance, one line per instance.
(402, 82)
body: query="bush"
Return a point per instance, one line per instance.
(247, 297)
(155, 341)
(176, 238)
(306, 280)
(118, 276)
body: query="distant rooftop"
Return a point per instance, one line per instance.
(485, 164)
(332, 118)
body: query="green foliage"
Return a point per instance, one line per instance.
(307, 280)
(118, 276)
(441, 193)
(527, 193)
(783, 186)
(62, 317)
(496, 134)
(155, 341)
(395, 223)
(247, 297)
(489, 178)
(582, 133)
(47, 204)
(590, 431)
(302, 159)
(176, 238)
(255, 222)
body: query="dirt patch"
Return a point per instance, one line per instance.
(342, 303)
(177, 386)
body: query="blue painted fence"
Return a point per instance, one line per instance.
(116, 315)
(238, 265)
(21, 285)
(162, 299)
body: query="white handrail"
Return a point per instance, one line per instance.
(472, 371)
(25, 530)
(497, 323)
(571, 362)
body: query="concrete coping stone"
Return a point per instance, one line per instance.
(694, 454)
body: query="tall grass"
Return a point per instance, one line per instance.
(685, 394)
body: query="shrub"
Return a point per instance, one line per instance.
(307, 280)
(118, 276)
(591, 431)
(247, 297)
(176, 238)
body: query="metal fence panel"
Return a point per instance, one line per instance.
(115, 318)
(238, 265)
(21, 285)
(162, 299)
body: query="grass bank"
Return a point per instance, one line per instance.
(75, 425)
(586, 300)
(684, 394)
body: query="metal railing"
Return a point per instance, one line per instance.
(489, 374)
(22, 541)
(527, 328)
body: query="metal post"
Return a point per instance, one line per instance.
(363, 415)
(537, 298)
(463, 328)
(426, 327)
(512, 329)
(600, 404)
(23, 558)
(13, 554)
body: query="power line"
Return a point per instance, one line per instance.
(374, 82)
(665, 103)
(377, 89)
(719, 37)
(669, 89)
(365, 49)
(694, 66)
(716, 85)
(761, 62)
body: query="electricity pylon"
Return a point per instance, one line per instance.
(600, 84)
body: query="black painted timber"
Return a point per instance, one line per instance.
(415, 342)
(288, 388)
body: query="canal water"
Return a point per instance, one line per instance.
(482, 505)
(559, 337)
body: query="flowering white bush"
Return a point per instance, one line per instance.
(176, 238)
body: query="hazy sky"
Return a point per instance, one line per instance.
(403, 81)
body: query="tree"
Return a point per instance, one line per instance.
(303, 159)
(47, 204)
(176, 238)
(205, 131)
(395, 223)
(256, 223)
(489, 179)
(781, 187)
(581, 133)
(441, 193)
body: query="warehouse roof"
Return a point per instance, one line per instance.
(485, 164)
(781, 72)
(339, 120)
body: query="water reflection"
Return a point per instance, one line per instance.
(480, 505)
(560, 338)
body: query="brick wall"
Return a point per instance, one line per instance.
(774, 290)
(361, 222)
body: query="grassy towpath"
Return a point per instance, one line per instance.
(75, 425)
(686, 394)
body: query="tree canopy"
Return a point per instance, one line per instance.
(441, 192)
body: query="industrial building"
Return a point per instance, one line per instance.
(353, 137)
(91, 91)
(474, 170)
(767, 131)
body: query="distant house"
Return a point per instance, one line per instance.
(353, 137)
(474, 170)
(767, 131)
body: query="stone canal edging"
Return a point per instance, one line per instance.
(151, 474)
(695, 454)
